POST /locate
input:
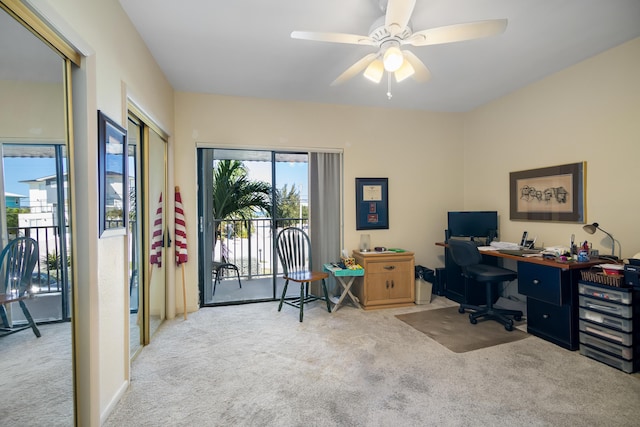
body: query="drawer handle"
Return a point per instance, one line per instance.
(536, 282)
(389, 267)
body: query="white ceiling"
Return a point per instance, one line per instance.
(243, 47)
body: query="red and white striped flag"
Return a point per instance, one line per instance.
(181, 231)
(156, 237)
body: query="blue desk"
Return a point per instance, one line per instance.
(345, 277)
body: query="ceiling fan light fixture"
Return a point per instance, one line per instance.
(393, 59)
(405, 71)
(374, 71)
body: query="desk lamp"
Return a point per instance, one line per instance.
(591, 228)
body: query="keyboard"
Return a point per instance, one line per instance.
(519, 252)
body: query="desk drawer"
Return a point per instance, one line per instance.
(551, 322)
(606, 307)
(541, 282)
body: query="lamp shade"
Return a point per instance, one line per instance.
(374, 71)
(405, 71)
(393, 59)
(590, 228)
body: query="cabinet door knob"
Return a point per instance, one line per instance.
(545, 316)
(393, 284)
(387, 283)
(536, 281)
(389, 267)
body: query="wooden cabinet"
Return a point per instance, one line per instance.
(388, 281)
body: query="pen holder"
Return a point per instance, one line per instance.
(348, 261)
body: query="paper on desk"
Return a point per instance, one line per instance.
(612, 266)
(487, 248)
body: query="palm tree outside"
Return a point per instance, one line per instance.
(235, 196)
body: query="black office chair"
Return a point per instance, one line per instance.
(467, 256)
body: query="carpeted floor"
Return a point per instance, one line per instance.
(452, 329)
(249, 365)
(37, 378)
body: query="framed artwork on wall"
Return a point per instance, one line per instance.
(372, 203)
(112, 176)
(554, 193)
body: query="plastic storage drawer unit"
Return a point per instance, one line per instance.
(624, 338)
(609, 325)
(603, 319)
(625, 311)
(627, 366)
(606, 346)
(610, 294)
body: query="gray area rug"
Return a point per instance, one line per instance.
(452, 329)
(250, 365)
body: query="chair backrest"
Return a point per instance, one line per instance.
(294, 250)
(17, 262)
(464, 253)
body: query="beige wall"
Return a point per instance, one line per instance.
(117, 65)
(589, 112)
(415, 150)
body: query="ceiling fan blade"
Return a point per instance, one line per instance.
(398, 15)
(422, 73)
(355, 69)
(457, 32)
(333, 37)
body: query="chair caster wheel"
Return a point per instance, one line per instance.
(472, 320)
(460, 310)
(517, 318)
(509, 326)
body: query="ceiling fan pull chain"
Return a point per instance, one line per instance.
(389, 86)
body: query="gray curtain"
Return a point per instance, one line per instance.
(325, 192)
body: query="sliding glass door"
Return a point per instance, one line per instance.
(147, 165)
(246, 197)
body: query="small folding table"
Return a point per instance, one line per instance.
(346, 277)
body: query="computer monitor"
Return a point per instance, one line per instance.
(476, 224)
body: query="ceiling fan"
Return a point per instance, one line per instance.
(393, 30)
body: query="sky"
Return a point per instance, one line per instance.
(18, 169)
(286, 173)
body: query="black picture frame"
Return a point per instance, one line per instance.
(372, 203)
(555, 193)
(112, 176)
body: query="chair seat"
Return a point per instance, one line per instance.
(306, 276)
(490, 273)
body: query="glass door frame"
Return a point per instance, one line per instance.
(206, 224)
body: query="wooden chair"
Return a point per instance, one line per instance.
(17, 262)
(294, 251)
